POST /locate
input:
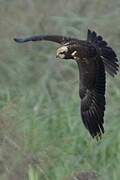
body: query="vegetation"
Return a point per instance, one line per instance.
(41, 133)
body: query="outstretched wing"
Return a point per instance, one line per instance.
(107, 54)
(53, 38)
(92, 93)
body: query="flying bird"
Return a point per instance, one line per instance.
(94, 58)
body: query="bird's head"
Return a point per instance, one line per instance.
(67, 52)
(64, 53)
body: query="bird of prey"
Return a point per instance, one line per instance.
(94, 58)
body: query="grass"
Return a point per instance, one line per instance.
(41, 132)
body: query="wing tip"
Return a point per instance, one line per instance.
(18, 40)
(98, 136)
(95, 128)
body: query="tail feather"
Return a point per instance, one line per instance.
(107, 54)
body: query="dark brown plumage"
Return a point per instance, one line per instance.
(93, 57)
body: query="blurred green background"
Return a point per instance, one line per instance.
(41, 133)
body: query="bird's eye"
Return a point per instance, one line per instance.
(62, 52)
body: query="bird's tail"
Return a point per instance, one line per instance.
(107, 54)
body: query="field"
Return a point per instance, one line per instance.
(42, 136)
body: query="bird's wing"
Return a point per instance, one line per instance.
(92, 94)
(53, 38)
(107, 54)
